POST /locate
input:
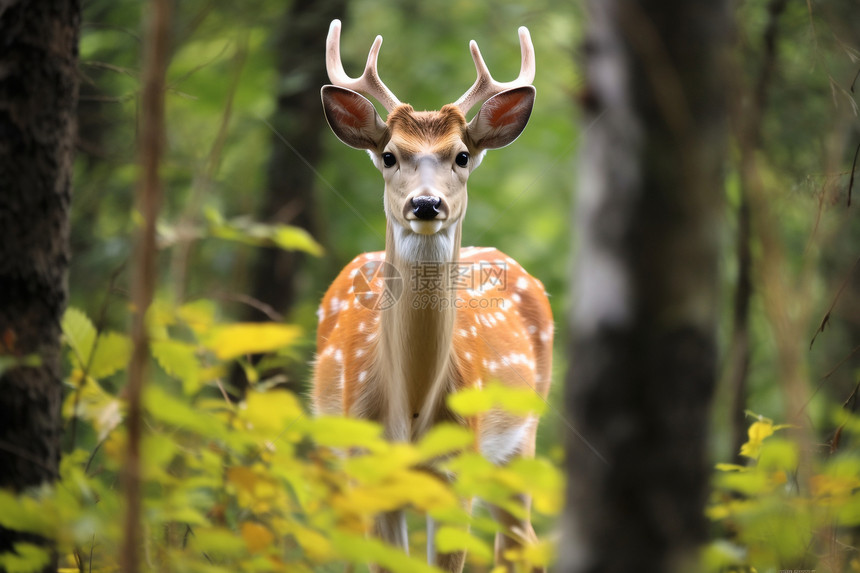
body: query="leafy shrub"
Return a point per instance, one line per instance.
(257, 485)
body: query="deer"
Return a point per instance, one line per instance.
(401, 329)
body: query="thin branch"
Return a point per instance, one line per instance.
(257, 304)
(100, 325)
(853, 168)
(151, 140)
(826, 318)
(830, 373)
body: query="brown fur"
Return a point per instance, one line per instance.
(431, 131)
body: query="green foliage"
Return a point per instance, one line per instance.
(778, 515)
(251, 486)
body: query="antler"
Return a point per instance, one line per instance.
(485, 86)
(369, 82)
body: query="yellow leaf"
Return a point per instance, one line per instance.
(373, 467)
(257, 537)
(336, 432)
(731, 467)
(199, 315)
(519, 401)
(539, 553)
(451, 539)
(470, 402)
(445, 439)
(314, 544)
(760, 430)
(268, 413)
(242, 478)
(237, 339)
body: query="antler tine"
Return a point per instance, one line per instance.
(485, 86)
(369, 82)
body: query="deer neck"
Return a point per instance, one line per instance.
(417, 332)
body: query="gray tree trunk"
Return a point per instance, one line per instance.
(38, 93)
(643, 350)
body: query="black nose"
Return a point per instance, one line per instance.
(426, 207)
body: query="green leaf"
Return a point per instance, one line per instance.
(361, 549)
(176, 412)
(778, 454)
(24, 513)
(292, 238)
(179, 360)
(244, 230)
(79, 333)
(112, 350)
(748, 483)
(27, 558)
(542, 480)
(219, 542)
(90, 402)
(112, 354)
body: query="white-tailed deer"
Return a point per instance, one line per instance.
(402, 329)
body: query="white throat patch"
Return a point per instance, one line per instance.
(412, 247)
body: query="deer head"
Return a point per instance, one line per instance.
(426, 157)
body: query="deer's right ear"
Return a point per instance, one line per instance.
(352, 118)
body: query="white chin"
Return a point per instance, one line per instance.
(425, 227)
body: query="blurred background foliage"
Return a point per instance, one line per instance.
(237, 105)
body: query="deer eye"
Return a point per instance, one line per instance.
(462, 159)
(388, 159)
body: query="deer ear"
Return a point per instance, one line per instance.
(352, 118)
(502, 118)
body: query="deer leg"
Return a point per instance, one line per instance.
(391, 528)
(448, 562)
(516, 531)
(514, 534)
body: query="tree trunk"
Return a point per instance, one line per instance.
(643, 342)
(300, 123)
(38, 93)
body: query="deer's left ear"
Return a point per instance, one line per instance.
(502, 118)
